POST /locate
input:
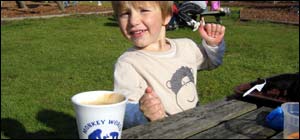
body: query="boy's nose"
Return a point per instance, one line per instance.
(134, 20)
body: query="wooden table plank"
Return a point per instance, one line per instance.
(278, 136)
(190, 122)
(247, 126)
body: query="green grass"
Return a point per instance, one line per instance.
(44, 62)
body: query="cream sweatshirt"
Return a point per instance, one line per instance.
(172, 75)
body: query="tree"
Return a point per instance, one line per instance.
(21, 4)
(60, 5)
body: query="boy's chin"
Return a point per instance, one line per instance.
(139, 44)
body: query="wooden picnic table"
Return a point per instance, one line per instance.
(228, 119)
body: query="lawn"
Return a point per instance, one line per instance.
(44, 62)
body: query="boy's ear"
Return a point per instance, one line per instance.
(167, 20)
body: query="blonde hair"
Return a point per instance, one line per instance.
(165, 6)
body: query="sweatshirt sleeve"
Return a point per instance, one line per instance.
(133, 115)
(215, 53)
(128, 82)
(210, 57)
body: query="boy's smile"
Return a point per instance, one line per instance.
(137, 33)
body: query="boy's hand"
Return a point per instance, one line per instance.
(212, 33)
(151, 105)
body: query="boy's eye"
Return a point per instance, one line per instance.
(124, 14)
(145, 10)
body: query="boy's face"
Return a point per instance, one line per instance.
(143, 24)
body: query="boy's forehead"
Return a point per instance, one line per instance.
(137, 4)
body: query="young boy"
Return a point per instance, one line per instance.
(158, 74)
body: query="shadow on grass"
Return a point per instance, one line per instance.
(112, 22)
(63, 125)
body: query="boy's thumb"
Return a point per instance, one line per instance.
(202, 23)
(201, 30)
(149, 90)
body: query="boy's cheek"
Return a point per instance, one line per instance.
(125, 34)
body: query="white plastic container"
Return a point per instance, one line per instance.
(291, 120)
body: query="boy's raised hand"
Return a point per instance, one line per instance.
(151, 105)
(212, 33)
